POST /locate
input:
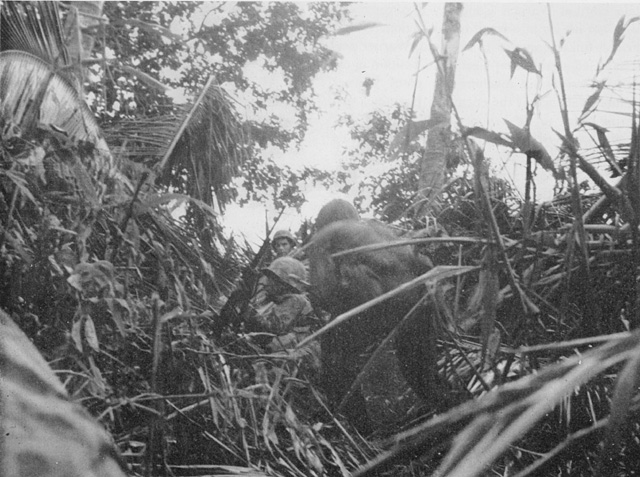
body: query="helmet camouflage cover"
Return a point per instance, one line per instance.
(289, 270)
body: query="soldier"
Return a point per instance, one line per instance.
(335, 211)
(283, 243)
(288, 313)
(343, 282)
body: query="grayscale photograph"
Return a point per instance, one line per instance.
(319, 239)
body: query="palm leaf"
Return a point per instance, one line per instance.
(33, 97)
(30, 87)
(36, 28)
(207, 147)
(142, 138)
(197, 151)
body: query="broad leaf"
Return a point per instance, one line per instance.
(592, 100)
(90, 333)
(477, 38)
(76, 333)
(354, 28)
(114, 305)
(409, 133)
(489, 136)
(417, 38)
(19, 180)
(618, 36)
(521, 57)
(527, 144)
(605, 147)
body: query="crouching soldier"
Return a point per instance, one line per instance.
(287, 316)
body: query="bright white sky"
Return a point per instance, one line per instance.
(382, 53)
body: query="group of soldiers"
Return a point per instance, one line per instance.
(281, 305)
(281, 308)
(282, 314)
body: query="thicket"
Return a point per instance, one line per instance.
(126, 300)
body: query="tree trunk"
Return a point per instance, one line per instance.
(85, 26)
(433, 162)
(83, 23)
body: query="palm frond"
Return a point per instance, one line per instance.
(207, 147)
(197, 150)
(36, 28)
(143, 138)
(33, 98)
(30, 87)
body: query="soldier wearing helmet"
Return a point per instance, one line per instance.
(283, 243)
(285, 272)
(288, 314)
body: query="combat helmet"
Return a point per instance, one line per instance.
(284, 234)
(288, 270)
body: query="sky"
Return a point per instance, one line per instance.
(382, 54)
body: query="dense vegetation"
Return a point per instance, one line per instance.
(139, 308)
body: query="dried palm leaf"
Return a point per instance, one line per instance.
(197, 151)
(207, 147)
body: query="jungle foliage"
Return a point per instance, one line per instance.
(125, 299)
